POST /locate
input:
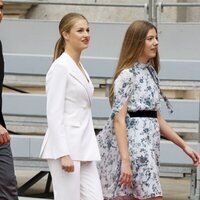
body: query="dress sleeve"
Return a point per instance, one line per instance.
(123, 87)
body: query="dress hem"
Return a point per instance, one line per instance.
(131, 197)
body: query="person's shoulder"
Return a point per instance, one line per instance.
(59, 64)
(127, 73)
(59, 61)
(58, 67)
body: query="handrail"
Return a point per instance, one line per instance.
(160, 6)
(14, 89)
(152, 9)
(94, 3)
(178, 4)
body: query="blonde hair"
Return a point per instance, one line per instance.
(65, 25)
(132, 47)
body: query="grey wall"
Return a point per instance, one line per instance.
(177, 41)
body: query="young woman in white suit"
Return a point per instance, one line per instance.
(70, 144)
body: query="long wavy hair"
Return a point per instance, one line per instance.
(65, 25)
(132, 47)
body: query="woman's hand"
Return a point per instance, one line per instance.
(125, 178)
(4, 135)
(193, 155)
(67, 164)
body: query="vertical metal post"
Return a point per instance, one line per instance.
(153, 11)
(198, 184)
(150, 10)
(199, 120)
(159, 6)
(146, 11)
(198, 169)
(192, 183)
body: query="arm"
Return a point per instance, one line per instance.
(120, 132)
(56, 83)
(171, 135)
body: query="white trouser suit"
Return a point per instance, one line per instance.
(71, 132)
(82, 184)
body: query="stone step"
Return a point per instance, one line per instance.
(171, 94)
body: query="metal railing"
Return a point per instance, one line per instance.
(161, 5)
(94, 3)
(153, 9)
(79, 3)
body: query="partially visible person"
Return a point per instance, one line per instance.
(70, 144)
(130, 141)
(8, 190)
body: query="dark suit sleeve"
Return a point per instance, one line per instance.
(1, 84)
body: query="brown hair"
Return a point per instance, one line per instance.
(132, 48)
(66, 24)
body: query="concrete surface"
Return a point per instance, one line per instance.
(173, 188)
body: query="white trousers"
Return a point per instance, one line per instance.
(82, 184)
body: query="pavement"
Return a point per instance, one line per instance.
(173, 188)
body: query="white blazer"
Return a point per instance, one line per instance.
(70, 127)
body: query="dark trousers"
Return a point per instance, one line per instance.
(8, 190)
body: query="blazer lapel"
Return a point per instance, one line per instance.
(78, 75)
(89, 84)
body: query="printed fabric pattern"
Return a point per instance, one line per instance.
(136, 87)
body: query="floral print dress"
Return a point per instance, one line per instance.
(137, 87)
